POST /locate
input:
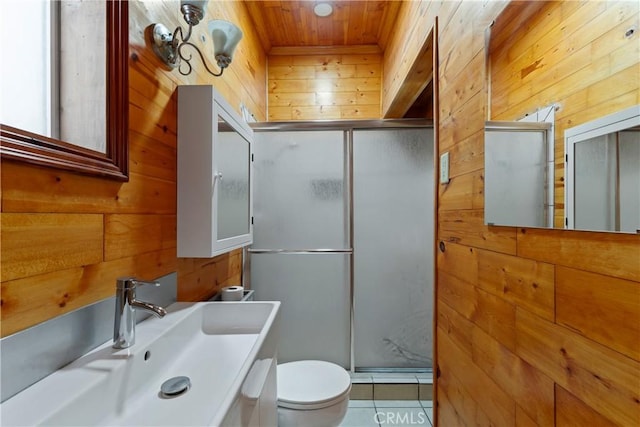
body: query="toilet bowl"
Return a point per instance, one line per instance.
(312, 393)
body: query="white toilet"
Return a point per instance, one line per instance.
(312, 393)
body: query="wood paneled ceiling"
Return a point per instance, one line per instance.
(352, 23)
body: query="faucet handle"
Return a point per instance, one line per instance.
(132, 282)
(137, 282)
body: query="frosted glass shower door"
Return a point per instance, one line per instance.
(300, 200)
(301, 207)
(393, 181)
(314, 315)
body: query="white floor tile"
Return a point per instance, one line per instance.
(360, 417)
(361, 404)
(398, 404)
(429, 412)
(401, 417)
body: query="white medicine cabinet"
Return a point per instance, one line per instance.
(215, 203)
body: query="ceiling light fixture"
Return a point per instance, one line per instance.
(323, 9)
(168, 47)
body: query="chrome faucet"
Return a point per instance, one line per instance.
(124, 326)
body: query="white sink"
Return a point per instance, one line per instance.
(215, 344)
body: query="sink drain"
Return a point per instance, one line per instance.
(175, 386)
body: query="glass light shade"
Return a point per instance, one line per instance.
(225, 36)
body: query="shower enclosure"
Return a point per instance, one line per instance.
(343, 236)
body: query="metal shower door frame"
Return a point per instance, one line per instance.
(348, 127)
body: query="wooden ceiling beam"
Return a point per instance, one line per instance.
(415, 81)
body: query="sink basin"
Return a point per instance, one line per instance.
(215, 344)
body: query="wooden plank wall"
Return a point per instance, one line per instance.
(535, 327)
(324, 86)
(67, 237)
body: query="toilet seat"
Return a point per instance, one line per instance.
(311, 384)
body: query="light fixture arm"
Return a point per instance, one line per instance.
(187, 60)
(175, 41)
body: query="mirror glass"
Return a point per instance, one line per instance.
(59, 89)
(232, 153)
(517, 174)
(602, 185)
(64, 99)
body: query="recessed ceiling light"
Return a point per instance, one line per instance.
(323, 9)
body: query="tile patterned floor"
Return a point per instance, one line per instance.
(397, 413)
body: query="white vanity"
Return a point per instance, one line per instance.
(227, 350)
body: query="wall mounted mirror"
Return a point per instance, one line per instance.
(602, 176)
(234, 160)
(76, 125)
(542, 55)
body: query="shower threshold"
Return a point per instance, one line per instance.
(391, 384)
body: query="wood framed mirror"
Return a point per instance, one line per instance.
(23, 146)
